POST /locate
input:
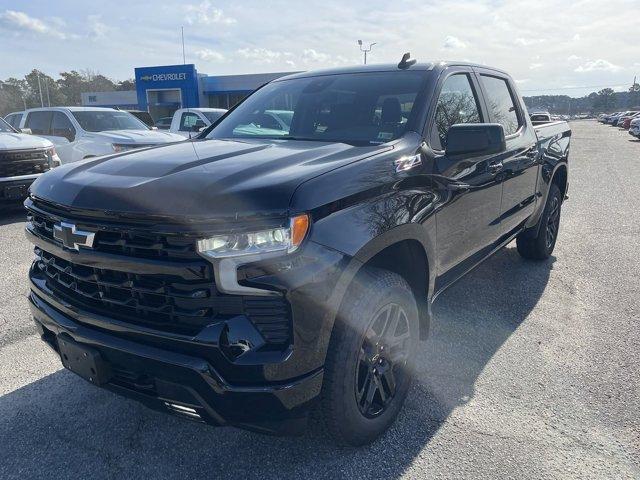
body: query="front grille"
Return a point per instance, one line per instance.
(162, 302)
(21, 162)
(124, 241)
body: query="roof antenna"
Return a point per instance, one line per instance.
(405, 62)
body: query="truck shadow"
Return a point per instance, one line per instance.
(62, 426)
(12, 213)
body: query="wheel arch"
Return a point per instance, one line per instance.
(405, 251)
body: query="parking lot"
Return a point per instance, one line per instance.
(531, 369)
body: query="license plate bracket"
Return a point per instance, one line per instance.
(15, 192)
(83, 360)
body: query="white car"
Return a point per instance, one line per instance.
(23, 158)
(83, 132)
(188, 122)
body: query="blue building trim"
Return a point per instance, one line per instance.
(183, 77)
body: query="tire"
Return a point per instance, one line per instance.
(377, 301)
(538, 243)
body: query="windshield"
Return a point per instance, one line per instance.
(213, 116)
(359, 108)
(104, 120)
(5, 127)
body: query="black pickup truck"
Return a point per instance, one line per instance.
(263, 269)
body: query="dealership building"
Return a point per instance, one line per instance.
(162, 90)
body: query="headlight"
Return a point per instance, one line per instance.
(123, 147)
(54, 159)
(283, 239)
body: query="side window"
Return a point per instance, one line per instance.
(501, 104)
(457, 103)
(188, 121)
(61, 126)
(39, 122)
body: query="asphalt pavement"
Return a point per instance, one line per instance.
(532, 369)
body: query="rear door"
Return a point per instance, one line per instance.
(39, 122)
(519, 170)
(467, 221)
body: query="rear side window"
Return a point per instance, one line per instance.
(188, 121)
(39, 123)
(457, 103)
(501, 104)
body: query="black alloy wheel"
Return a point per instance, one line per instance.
(382, 360)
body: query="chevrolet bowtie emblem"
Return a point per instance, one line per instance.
(71, 237)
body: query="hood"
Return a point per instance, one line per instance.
(137, 136)
(21, 141)
(198, 180)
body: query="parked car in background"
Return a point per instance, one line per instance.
(616, 119)
(14, 119)
(163, 123)
(634, 127)
(188, 122)
(145, 117)
(83, 132)
(625, 120)
(23, 158)
(609, 118)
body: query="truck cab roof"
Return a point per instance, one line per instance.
(387, 67)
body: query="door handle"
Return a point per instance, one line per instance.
(496, 167)
(458, 187)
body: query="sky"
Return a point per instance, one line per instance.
(548, 46)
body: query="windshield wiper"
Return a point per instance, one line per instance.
(327, 140)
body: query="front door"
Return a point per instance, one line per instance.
(470, 184)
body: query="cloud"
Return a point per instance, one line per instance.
(209, 55)
(597, 65)
(205, 13)
(97, 29)
(311, 56)
(536, 66)
(21, 22)
(262, 55)
(573, 58)
(451, 43)
(525, 42)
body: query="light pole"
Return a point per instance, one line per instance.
(365, 50)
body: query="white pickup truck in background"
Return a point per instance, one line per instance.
(83, 132)
(23, 158)
(188, 122)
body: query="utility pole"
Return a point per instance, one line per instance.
(40, 89)
(184, 58)
(365, 50)
(46, 86)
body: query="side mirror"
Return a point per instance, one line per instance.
(26, 130)
(475, 138)
(198, 126)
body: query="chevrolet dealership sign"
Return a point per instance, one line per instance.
(164, 77)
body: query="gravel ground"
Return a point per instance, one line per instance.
(531, 369)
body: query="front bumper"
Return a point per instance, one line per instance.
(183, 384)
